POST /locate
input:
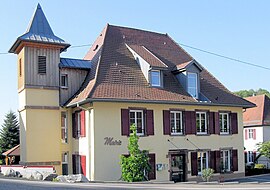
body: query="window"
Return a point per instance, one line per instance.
(76, 160)
(136, 117)
(251, 134)
(64, 81)
(202, 161)
(64, 127)
(20, 67)
(176, 122)
(192, 84)
(155, 78)
(251, 156)
(65, 163)
(224, 123)
(79, 164)
(225, 160)
(78, 124)
(201, 122)
(41, 64)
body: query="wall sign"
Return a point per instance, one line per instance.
(110, 141)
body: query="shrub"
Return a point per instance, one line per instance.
(207, 174)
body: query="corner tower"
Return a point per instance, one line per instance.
(38, 51)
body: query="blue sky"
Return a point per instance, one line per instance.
(238, 29)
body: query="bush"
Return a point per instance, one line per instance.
(259, 166)
(207, 174)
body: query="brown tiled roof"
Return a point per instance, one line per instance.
(148, 56)
(259, 115)
(117, 76)
(15, 151)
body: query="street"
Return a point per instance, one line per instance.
(14, 184)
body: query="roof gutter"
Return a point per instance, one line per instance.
(88, 100)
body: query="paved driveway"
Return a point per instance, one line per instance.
(265, 178)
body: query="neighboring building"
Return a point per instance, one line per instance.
(75, 114)
(256, 128)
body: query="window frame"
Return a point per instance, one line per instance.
(175, 123)
(136, 121)
(251, 133)
(66, 81)
(200, 123)
(222, 127)
(196, 84)
(199, 155)
(223, 159)
(64, 128)
(159, 78)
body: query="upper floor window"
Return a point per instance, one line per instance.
(224, 123)
(155, 78)
(64, 81)
(251, 133)
(192, 84)
(201, 122)
(41, 64)
(143, 120)
(176, 122)
(64, 127)
(136, 117)
(78, 124)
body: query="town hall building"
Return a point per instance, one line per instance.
(75, 114)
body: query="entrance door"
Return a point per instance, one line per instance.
(178, 167)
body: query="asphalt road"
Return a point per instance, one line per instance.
(14, 184)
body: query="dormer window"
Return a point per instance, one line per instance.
(192, 84)
(155, 78)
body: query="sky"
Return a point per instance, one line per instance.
(237, 29)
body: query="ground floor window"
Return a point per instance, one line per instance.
(65, 163)
(202, 161)
(225, 160)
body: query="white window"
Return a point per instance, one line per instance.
(155, 78)
(64, 81)
(224, 123)
(225, 160)
(176, 122)
(251, 133)
(201, 122)
(251, 156)
(192, 84)
(136, 117)
(64, 127)
(202, 161)
(65, 163)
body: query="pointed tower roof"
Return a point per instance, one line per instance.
(39, 31)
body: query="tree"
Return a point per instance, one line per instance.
(264, 149)
(9, 133)
(251, 92)
(135, 165)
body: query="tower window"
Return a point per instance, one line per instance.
(64, 81)
(41, 64)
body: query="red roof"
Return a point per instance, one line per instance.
(259, 115)
(15, 151)
(116, 76)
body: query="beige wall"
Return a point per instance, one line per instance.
(107, 123)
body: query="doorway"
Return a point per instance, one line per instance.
(178, 167)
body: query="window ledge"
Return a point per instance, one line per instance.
(64, 87)
(177, 134)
